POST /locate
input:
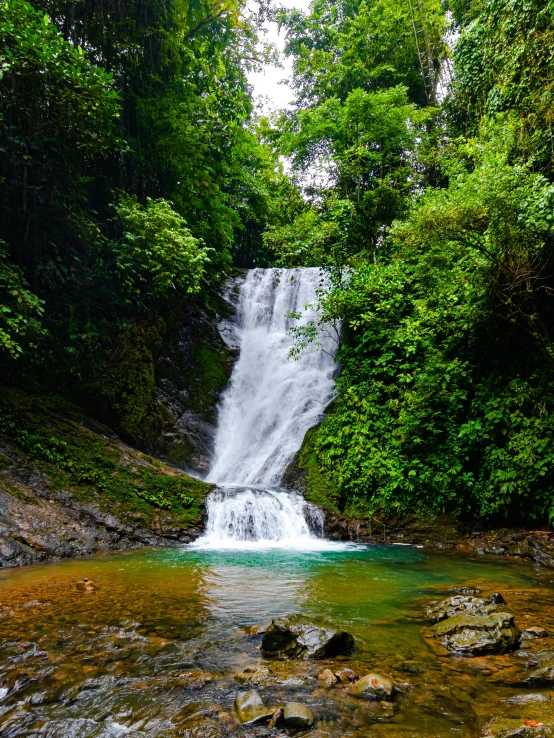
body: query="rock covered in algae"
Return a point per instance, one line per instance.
(459, 603)
(294, 637)
(373, 687)
(250, 708)
(298, 716)
(470, 634)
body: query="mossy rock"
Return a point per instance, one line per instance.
(80, 456)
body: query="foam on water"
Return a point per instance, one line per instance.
(270, 403)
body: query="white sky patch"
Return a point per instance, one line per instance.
(269, 91)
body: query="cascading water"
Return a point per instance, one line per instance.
(270, 403)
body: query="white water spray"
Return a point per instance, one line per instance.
(270, 403)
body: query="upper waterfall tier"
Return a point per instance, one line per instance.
(271, 400)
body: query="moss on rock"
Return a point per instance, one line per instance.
(75, 454)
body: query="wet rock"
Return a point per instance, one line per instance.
(278, 718)
(469, 634)
(250, 708)
(298, 716)
(294, 637)
(524, 699)
(501, 727)
(521, 548)
(497, 598)
(347, 676)
(533, 632)
(457, 604)
(541, 553)
(373, 687)
(326, 678)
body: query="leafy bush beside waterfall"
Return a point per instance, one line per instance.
(445, 399)
(446, 395)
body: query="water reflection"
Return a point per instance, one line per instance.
(160, 640)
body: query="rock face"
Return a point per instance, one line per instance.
(294, 637)
(298, 716)
(471, 634)
(52, 511)
(374, 687)
(250, 708)
(191, 372)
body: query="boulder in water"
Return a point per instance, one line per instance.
(457, 604)
(250, 708)
(528, 634)
(373, 687)
(471, 634)
(326, 678)
(347, 676)
(298, 716)
(294, 637)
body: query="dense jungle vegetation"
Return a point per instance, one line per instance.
(135, 173)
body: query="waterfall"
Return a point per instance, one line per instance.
(269, 404)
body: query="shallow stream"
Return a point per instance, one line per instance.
(160, 647)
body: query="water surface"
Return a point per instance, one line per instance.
(158, 648)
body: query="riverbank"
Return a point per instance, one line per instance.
(69, 487)
(443, 534)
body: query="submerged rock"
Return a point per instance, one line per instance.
(294, 637)
(526, 716)
(471, 634)
(542, 669)
(250, 708)
(298, 716)
(373, 687)
(528, 634)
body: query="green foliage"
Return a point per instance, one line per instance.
(57, 117)
(20, 309)
(504, 62)
(446, 397)
(363, 143)
(341, 46)
(93, 468)
(157, 255)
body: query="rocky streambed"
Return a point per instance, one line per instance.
(354, 641)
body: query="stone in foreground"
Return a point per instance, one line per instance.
(326, 678)
(298, 716)
(470, 635)
(250, 708)
(346, 676)
(296, 638)
(373, 687)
